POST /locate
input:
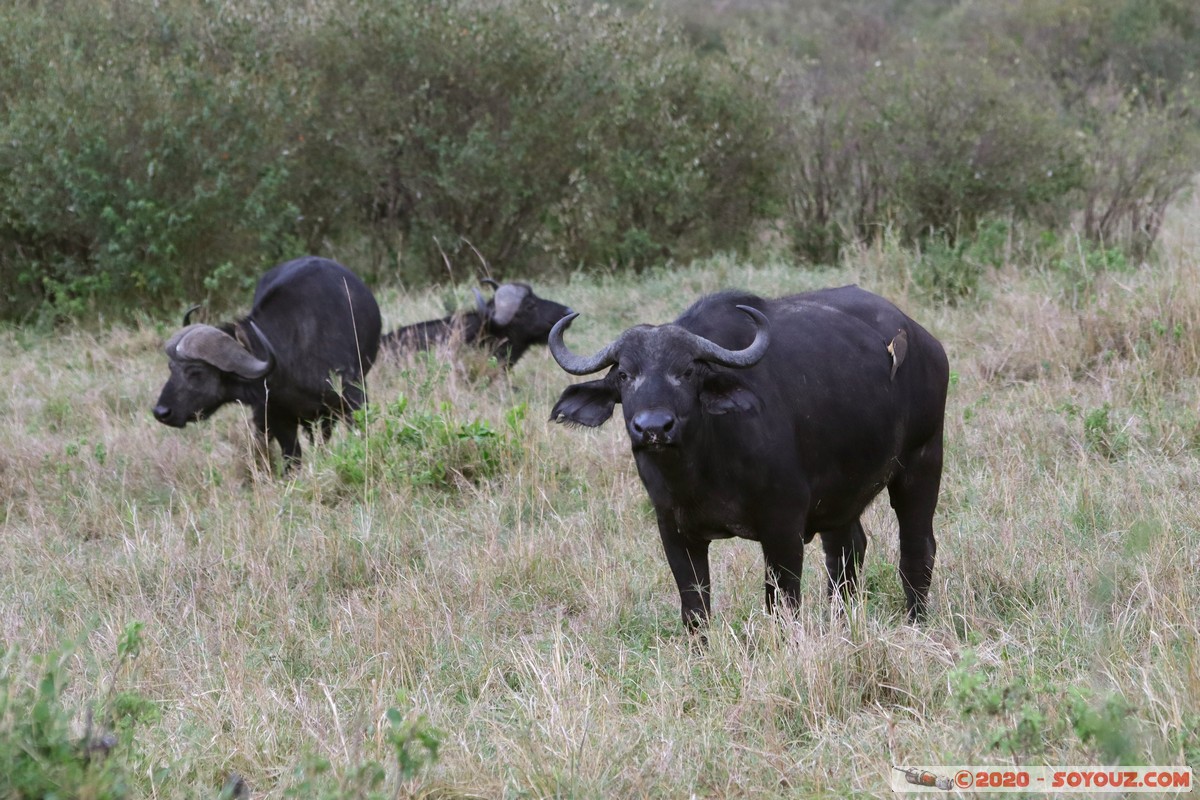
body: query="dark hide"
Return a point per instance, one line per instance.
(506, 330)
(317, 326)
(796, 444)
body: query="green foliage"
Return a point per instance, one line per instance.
(140, 152)
(932, 121)
(1103, 435)
(955, 140)
(927, 140)
(544, 138)
(1020, 718)
(157, 158)
(425, 448)
(143, 154)
(1124, 72)
(1079, 261)
(413, 741)
(944, 271)
(40, 754)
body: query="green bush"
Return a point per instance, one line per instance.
(957, 140)
(926, 141)
(151, 157)
(423, 448)
(1018, 719)
(136, 156)
(40, 754)
(945, 271)
(926, 118)
(1125, 73)
(154, 157)
(542, 138)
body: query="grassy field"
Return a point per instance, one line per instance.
(468, 601)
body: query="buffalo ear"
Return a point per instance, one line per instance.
(589, 404)
(723, 393)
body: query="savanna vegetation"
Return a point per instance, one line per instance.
(153, 156)
(456, 598)
(461, 599)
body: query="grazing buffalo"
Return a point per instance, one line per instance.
(506, 326)
(298, 358)
(775, 420)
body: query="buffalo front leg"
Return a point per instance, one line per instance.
(286, 430)
(913, 493)
(289, 443)
(844, 552)
(688, 559)
(784, 557)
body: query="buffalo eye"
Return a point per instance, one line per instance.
(687, 373)
(623, 376)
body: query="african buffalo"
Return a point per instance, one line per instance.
(298, 358)
(507, 325)
(775, 420)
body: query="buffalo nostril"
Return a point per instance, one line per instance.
(652, 425)
(161, 413)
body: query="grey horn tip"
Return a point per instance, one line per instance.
(575, 364)
(187, 315)
(754, 313)
(563, 324)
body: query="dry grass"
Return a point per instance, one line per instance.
(530, 615)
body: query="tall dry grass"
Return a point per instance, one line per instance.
(529, 615)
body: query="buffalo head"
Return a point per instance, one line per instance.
(209, 368)
(665, 377)
(518, 317)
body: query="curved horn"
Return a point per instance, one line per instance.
(490, 282)
(173, 343)
(187, 315)
(214, 346)
(580, 365)
(266, 343)
(480, 303)
(715, 354)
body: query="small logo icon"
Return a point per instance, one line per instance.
(921, 777)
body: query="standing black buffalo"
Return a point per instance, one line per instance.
(776, 422)
(506, 326)
(298, 358)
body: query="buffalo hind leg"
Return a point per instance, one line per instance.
(913, 493)
(688, 559)
(844, 552)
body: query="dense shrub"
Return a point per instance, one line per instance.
(152, 155)
(135, 158)
(928, 117)
(925, 140)
(1124, 72)
(542, 137)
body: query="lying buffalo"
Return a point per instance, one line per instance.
(506, 326)
(298, 358)
(775, 420)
